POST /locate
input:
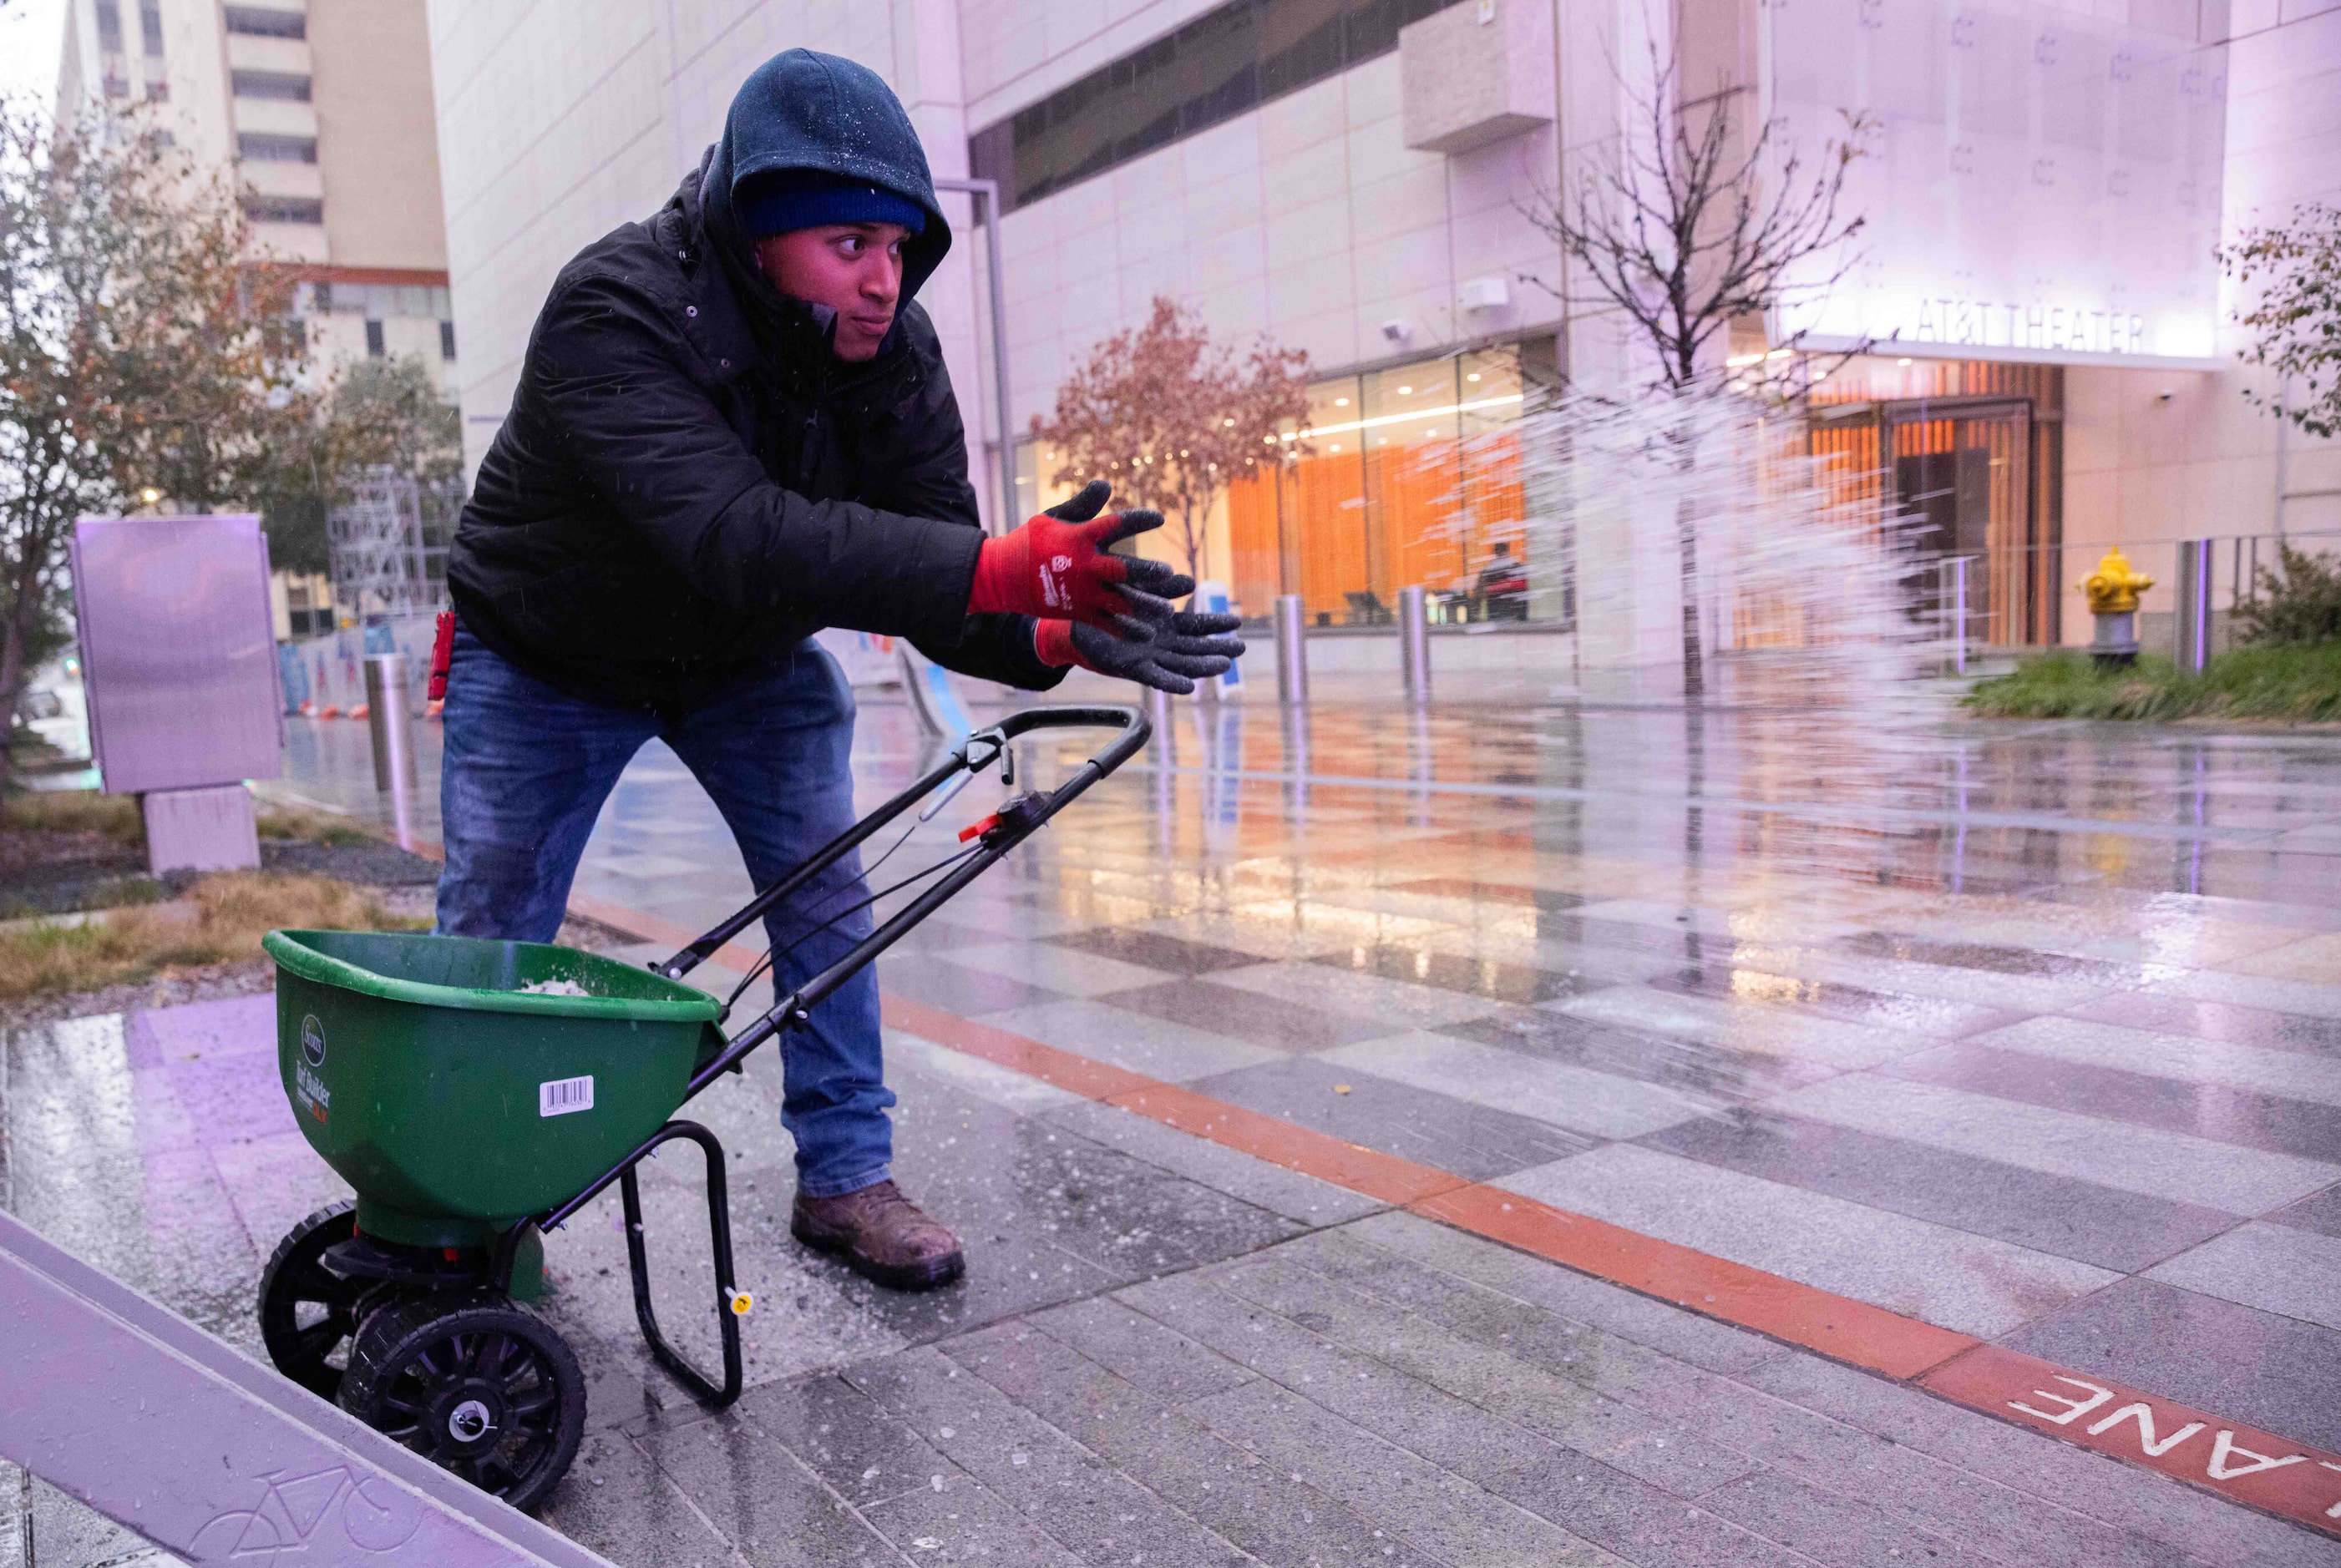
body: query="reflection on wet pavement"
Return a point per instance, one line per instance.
(2030, 1032)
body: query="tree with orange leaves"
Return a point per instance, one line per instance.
(1172, 418)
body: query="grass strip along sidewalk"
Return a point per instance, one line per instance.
(2294, 683)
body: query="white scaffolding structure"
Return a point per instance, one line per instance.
(387, 545)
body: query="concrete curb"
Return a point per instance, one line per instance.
(145, 1417)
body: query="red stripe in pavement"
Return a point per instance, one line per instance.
(1837, 1326)
(2239, 1463)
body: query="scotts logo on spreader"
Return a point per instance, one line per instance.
(307, 1086)
(1052, 588)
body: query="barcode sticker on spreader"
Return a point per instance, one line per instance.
(558, 1096)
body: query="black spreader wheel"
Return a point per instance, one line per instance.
(474, 1385)
(307, 1314)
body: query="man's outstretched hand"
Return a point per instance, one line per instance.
(1191, 646)
(1057, 566)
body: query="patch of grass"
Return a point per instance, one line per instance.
(233, 910)
(2296, 683)
(73, 812)
(291, 822)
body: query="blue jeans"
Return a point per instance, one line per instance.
(526, 772)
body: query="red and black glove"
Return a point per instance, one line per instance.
(1191, 646)
(1057, 566)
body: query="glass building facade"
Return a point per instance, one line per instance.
(1404, 476)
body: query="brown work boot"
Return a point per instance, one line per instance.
(882, 1237)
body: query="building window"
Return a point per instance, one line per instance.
(260, 146)
(158, 92)
(1412, 477)
(1232, 58)
(259, 22)
(447, 339)
(150, 26)
(374, 349)
(115, 87)
(281, 85)
(109, 26)
(284, 209)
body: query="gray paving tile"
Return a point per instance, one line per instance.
(1271, 1021)
(1714, 1072)
(1464, 1525)
(1953, 1278)
(1155, 950)
(1494, 979)
(1834, 1527)
(1470, 1140)
(1639, 1522)
(1652, 1448)
(1258, 1507)
(2214, 1111)
(1567, 1295)
(1982, 1122)
(1938, 1016)
(2319, 1212)
(1156, 1360)
(1907, 1494)
(2027, 962)
(2282, 1269)
(1395, 1004)
(1085, 1504)
(961, 1520)
(934, 979)
(2276, 1373)
(839, 1433)
(2052, 1213)
(2226, 1021)
(727, 1479)
(1296, 1196)
(1598, 1105)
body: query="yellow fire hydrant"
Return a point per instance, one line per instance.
(2113, 590)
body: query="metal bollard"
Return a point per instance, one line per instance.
(1414, 642)
(392, 725)
(1952, 587)
(2191, 636)
(1291, 649)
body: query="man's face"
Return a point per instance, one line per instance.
(855, 268)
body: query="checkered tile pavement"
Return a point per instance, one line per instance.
(2030, 1033)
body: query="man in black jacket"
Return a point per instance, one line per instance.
(733, 427)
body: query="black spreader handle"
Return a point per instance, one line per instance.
(985, 745)
(979, 750)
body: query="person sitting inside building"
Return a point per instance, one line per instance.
(733, 427)
(1503, 586)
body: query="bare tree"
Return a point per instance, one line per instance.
(2296, 322)
(1173, 417)
(1686, 224)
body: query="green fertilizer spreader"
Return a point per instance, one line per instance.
(477, 1094)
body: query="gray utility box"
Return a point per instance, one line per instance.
(178, 654)
(1475, 74)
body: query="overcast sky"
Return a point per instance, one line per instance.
(31, 32)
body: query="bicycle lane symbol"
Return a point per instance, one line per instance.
(295, 1512)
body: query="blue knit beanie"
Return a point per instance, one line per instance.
(790, 199)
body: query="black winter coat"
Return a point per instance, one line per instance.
(688, 479)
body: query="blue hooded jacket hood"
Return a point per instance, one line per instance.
(806, 110)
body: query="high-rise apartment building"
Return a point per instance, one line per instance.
(2051, 344)
(321, 112)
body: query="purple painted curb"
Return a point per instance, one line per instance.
(159, 1426)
